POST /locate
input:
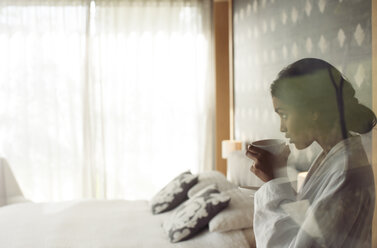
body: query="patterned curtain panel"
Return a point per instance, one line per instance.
(270, 34)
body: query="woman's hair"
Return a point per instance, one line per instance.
(314, 85)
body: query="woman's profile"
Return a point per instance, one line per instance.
(334, 207)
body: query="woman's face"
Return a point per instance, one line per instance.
(297, 125)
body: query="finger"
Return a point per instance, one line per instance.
(255, 169)
(253, 156)
(255, 149)
(257, 165)
(286, 151)
(254, 153)
(261, 175)
(252, 168)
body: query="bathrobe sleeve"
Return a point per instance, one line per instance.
(331, 220)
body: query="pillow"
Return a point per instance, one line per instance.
(238, 215)
(174, 193)
(211, 177)
(193, 215)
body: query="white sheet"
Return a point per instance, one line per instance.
(98, 224)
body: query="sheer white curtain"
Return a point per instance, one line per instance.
(42, 49)
(105, 99)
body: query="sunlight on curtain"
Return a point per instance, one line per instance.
(150, 82)
(41, 74)
(105, 99)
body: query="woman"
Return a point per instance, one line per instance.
(334, 208)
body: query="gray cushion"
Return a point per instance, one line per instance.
(208, 178)
(174, 193)
(194, 214)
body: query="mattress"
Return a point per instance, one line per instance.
(100, 224)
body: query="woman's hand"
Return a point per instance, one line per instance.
(268, 166)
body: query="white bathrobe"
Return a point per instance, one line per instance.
(334, 208)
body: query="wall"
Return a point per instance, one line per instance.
(270, 34)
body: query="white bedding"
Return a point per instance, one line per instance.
(99, 224)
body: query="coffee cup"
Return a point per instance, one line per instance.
(274, 146)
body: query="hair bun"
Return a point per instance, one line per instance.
(350, 102)
(359, 118)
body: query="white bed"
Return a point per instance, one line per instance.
(94, 224)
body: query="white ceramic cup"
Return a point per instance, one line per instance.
(275, 146)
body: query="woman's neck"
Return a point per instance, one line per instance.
(329, 139)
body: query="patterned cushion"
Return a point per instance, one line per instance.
(208, 178)
(193, 215)
(174, 193)
(238, 215)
